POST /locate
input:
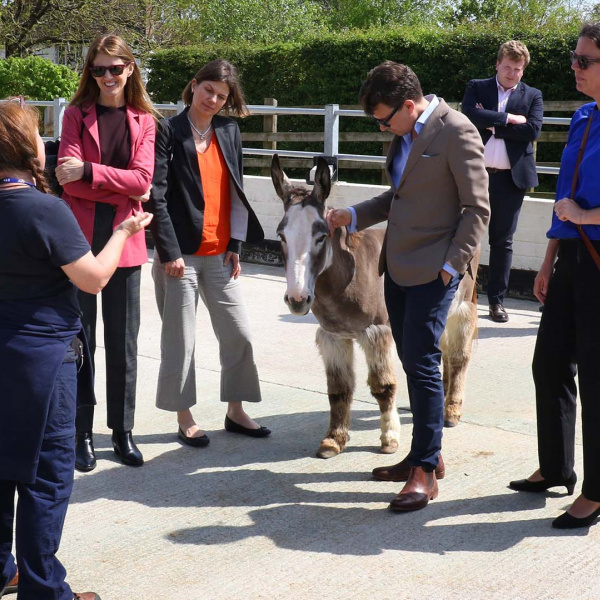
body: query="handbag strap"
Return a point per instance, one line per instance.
(584, 237)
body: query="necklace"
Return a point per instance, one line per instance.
(202, 134)
(14, 180)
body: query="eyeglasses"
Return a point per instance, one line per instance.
(20, 100)
(386, 122)
(583, 62)
(112, 69)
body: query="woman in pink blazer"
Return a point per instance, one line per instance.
(106, 163)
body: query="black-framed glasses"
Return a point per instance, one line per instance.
(583, 62)
(386, 122)
(114, 70)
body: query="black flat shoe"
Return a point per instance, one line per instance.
(524, 485)
(85, 457)
(199, 442)
(567, 521)
(126, 450)
(233, 427)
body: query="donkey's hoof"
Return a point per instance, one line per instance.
(328, 449)
(451, 422)
(390, 447)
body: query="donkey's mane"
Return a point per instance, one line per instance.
(353, 240)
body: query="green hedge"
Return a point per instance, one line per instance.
(36, 78)
(330, 69)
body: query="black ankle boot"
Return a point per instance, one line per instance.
(85, 458)
(126, 450)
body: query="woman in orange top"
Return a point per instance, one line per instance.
(202, 217)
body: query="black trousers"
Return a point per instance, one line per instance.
(121, 316)
(568, 343)
(506, 200)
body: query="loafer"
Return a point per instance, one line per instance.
(126, 450)
(86, 596)
(11, 586)
(401, 471)
(498, 314)
(85, 456)
(199, 442)
(420, 488)
(233, 427)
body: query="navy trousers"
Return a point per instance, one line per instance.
(418, 317)
(121, 316)
(506, 200)
(42, 505)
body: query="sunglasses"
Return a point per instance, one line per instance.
(386, 122)
(113, 70)
(583, 62)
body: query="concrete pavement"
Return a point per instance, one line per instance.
(265, 519)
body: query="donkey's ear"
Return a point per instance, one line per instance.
(322, 181)
(282, 184)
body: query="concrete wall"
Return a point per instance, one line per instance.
(530, 239)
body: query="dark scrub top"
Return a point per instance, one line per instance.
(39, 317)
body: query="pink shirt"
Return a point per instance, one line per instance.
(495, 153)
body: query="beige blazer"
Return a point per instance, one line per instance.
(441, 209)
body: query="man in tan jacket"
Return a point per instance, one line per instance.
(437, 210)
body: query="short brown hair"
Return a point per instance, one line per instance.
(220, 70)
(591, 31)
(18, 141)
(135, 91)
(514, 50)
(389, 83)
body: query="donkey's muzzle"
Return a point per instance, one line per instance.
(298, 307)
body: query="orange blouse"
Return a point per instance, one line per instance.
(216, 230)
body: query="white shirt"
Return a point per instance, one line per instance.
(495, 153)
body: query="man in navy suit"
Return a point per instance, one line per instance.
(508, 115)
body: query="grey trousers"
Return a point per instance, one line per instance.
(177, 300)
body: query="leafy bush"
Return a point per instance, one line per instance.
(36, 78)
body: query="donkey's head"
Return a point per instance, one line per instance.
(304, 234)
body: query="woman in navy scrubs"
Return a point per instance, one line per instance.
(43, 256)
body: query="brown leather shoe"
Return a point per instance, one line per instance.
(12, 586)
(401, 471)
(498, 314)
(420, 488)
(86, 596)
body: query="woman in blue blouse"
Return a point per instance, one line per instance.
(568, 284)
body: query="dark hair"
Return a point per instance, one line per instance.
(390, 83)
(220, 70)
(514, 50)
(135, 92)
(591, 31)
(18, 141)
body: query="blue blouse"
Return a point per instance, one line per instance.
(587, 192)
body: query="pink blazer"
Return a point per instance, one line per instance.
(109, 185)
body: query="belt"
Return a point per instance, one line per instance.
(490, 170)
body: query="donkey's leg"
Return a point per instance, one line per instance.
(457, 342)
(377, 343)
(338, 356)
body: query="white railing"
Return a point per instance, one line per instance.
(330, 112)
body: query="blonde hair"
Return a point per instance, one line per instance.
(514, 50)
(88, 91)
(19, 142)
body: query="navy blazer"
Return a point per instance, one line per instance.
(526, 101)
(177, 199)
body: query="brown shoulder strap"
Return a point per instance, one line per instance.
(584, 237)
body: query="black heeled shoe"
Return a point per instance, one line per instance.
(85, 456)
(126, 450)
(524, 485)
(567, 521)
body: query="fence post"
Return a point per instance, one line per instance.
(269, 126)
(332, 130)
(180, 107)
(59, 111)
(386, 149)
